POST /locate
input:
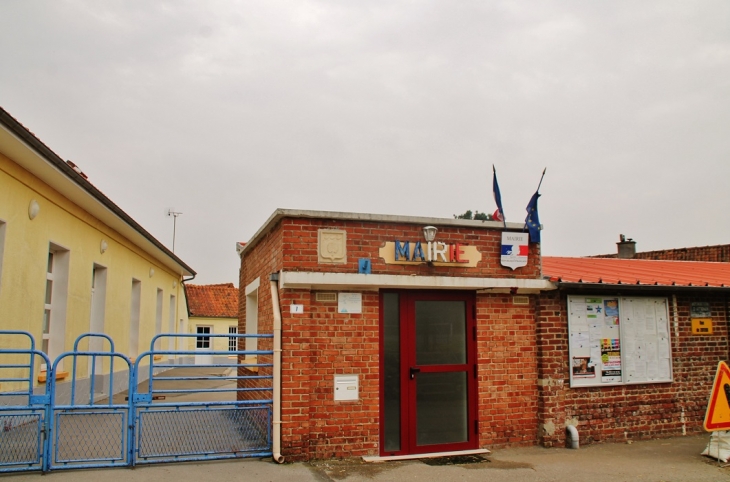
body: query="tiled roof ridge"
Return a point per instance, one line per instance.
(632, 260)
(213, 300)
(227, 285)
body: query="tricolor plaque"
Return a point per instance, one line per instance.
(515, 247)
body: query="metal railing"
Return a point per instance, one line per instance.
(167, 405)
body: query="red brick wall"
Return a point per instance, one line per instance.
(719, 254)
(364, 239)
(507, 372)
(629, 411)
(264, 259)
(321, 343)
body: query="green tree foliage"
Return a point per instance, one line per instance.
(475, 215)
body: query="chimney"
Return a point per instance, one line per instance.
(626, 248)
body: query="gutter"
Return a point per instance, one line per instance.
(276, 308)
(577, 286)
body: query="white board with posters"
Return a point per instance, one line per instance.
(618, 340)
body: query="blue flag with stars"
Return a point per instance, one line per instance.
(532, 221)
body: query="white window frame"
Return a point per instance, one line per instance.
(97, 311)
(3, 227)
(171, 325)
(57, 270)
(232, 340)
(158, 318)
(203, 340)
(252, 314)
(134, 317)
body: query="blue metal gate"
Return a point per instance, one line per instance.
(24, 414)
(88, 427)
(183, 414)
(161, 407)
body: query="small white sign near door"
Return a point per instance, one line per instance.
(349, 303)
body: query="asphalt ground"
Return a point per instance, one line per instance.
(661, 460)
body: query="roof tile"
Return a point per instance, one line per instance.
(636, 271)
(212, 301)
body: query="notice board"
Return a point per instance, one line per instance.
(618, 340)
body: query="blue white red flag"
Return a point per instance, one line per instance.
(499, 213)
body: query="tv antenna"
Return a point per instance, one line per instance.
(174, 214)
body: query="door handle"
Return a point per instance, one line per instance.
(414, 371)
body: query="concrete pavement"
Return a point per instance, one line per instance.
(662, 460)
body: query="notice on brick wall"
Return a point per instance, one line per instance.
(618, 340)
(349, 303)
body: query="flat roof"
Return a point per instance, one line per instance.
(280, 214)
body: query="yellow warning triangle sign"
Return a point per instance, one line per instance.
(718, 410)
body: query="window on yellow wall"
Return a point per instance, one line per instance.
(134, 316)
(98, 309)
(2, 249)
(158, 319)
(232, 340)
(171, 325)
(55, 298)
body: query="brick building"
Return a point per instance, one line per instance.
(404, 335)
(692, 299)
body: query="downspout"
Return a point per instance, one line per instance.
(276, 309)
(572, 436)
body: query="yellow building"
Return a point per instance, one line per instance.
(71, 261)
(212, 309)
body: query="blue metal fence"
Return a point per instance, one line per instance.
(199, 410)
(167, 405)
(88, 427)
(24, 414)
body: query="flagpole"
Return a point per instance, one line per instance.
(541, 178)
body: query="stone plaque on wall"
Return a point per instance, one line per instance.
(332, 246)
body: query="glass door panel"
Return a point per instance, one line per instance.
(441, 408)
(440, 333)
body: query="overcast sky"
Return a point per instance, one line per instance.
(228, 110)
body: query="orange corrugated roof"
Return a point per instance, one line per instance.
(212, 301)
(636, 272)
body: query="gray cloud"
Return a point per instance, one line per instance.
(227, 110)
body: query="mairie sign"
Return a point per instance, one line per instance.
(436, 253)
(718, 410)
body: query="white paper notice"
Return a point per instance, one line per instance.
(349, 303)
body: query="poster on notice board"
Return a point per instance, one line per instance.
(615, 340)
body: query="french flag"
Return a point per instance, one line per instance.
(515, 250)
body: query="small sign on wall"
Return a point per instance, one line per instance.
(349, 303)
(702, 326)
(296, 309)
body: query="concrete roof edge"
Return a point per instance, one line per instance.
(368, 217)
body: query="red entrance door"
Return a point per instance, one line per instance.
(428, 367)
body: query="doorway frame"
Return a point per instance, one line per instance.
(406, 309)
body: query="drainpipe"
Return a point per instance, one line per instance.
(572, 436)
(276, 442)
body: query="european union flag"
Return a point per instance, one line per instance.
(532, 221)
